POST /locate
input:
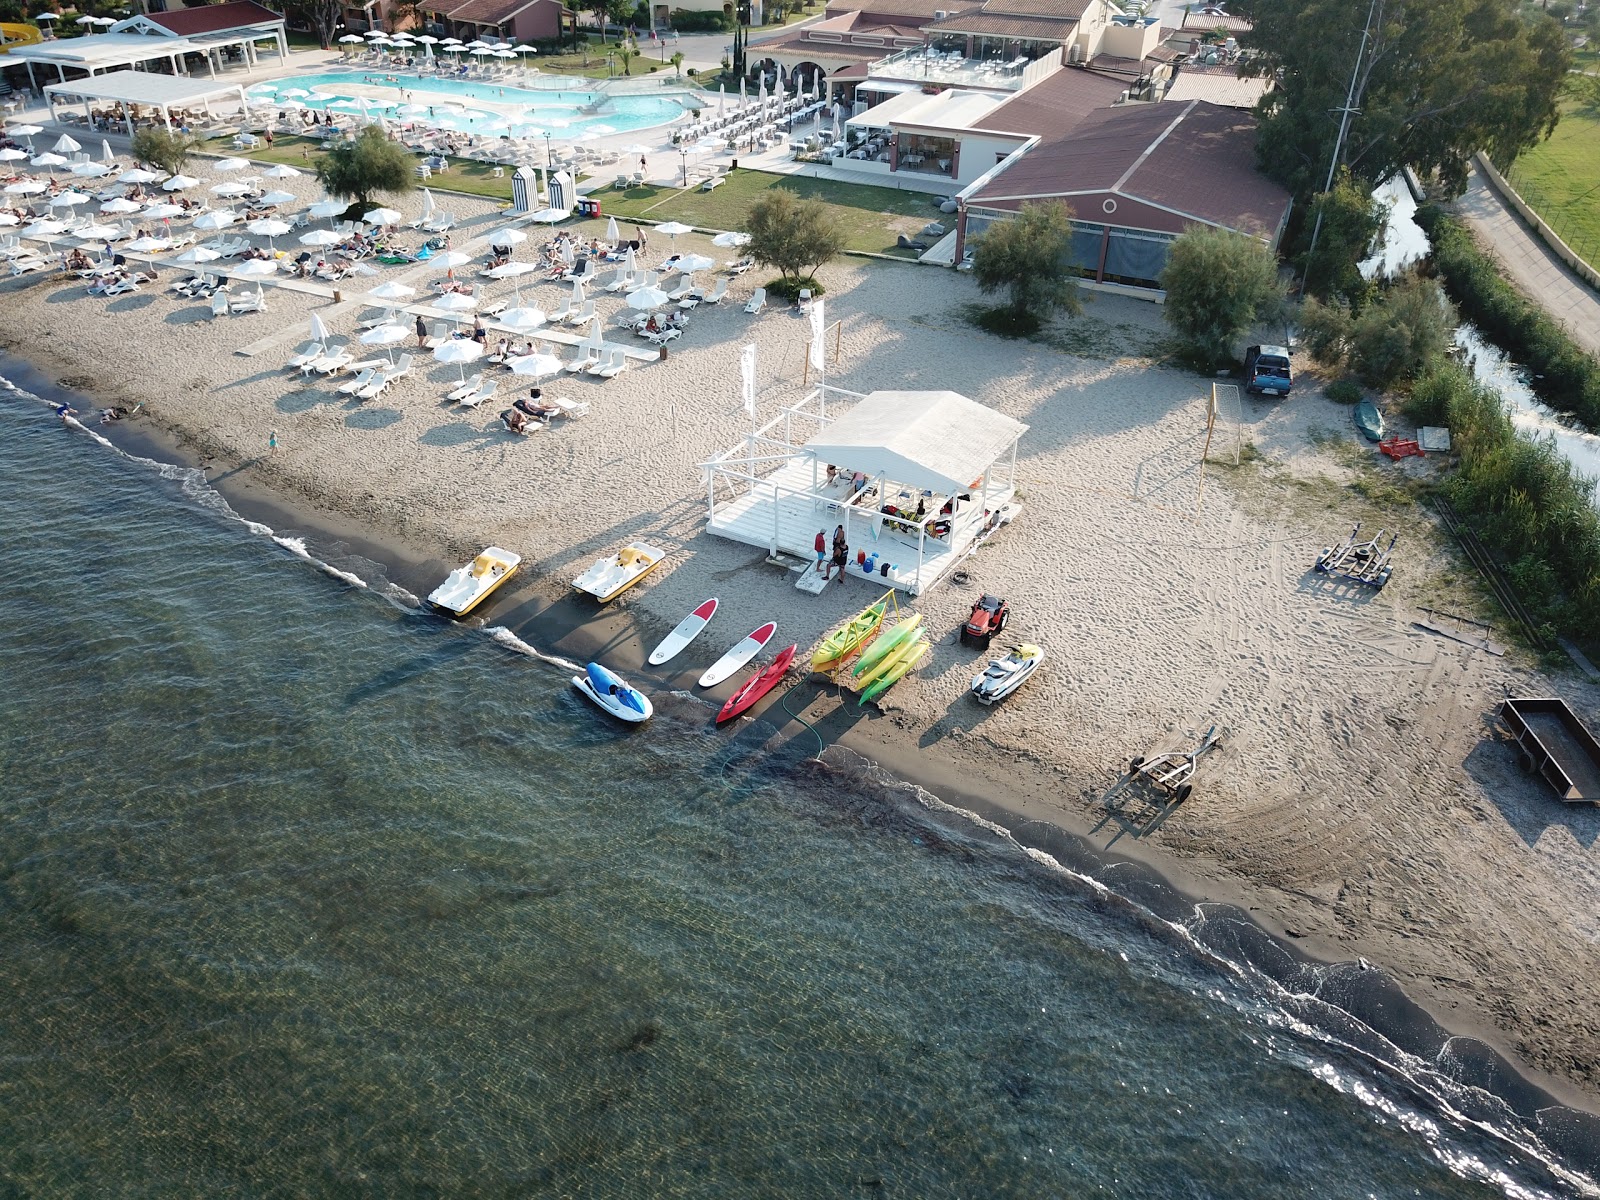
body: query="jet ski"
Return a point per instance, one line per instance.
(613, 694)
(1005, 675)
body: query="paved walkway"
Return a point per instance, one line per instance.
(1530, 264)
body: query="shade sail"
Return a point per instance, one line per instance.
(940, 441)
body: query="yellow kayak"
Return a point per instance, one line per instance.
(850, 636)
(886, 641)
(884, 665)
(894, 674)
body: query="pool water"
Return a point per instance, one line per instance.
(481, 109)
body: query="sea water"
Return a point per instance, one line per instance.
(304, 891)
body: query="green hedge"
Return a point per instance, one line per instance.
(1565, 376)
(684, 21)
(1524, 501)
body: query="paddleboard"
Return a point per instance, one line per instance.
(757, 686)
(739, 655)
(688, 629)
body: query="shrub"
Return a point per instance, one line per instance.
(169, 151)
(1218, 283)
(1565, 377)
(789, 289)
(1344, 391)
(365, 166)
(717, 21)
(1325, 331)
(796, 236)
(1026, 257)
(1395, 340)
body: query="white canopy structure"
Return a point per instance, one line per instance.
(164, 92)
(915, 478)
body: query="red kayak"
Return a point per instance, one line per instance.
(757, 686)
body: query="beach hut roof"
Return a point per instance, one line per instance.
(940, 441)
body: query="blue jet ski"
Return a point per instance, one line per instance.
(613, 694)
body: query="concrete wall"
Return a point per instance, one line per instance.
(1563, 251)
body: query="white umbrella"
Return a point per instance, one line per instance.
(319, 329)
(66, 144)
(536, 365)
(385, 335)
(428, 40)
(256, 268)
(455, 302)
(690, 263)
(89, 170)
(216, 218)
(230, 164)
(521, 320)
(722, 98)
(95, 233)
(455, 49)
(449, 260)
(351, 39)
(138, 175)
(281, 171)
(121, 205)
(70, 200)
(293, 93)
(459, 351)
(26, 187)
(178, 182)
(105, 152)
(145, 245)
(507, 237)
(477, 45)
(647, 298)
(49, 160)
(327, 208)
(376, 33)
(43, 228)
(273, 199)
(393, 290)
(320, 237)
(12, 154)
(450, 41)
(268, 228)
(612, 233)
(196, 255)
(230, 189)
(427, 204)
(382, 216)
(729, 240)
(163, 212)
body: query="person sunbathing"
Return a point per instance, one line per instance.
(539, 412)
(515, 421)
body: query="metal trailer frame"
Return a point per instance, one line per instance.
(1555, 745)
(1360, 562)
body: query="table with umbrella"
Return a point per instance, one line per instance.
(269, 228)
(459, 351)
(385, 335)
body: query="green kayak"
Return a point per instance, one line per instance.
(1369, 420)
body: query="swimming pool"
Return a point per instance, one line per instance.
(481, 109)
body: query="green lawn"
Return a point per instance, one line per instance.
(464, 175)
(872, 216)
(1560, 179)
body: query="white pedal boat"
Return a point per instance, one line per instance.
(467, 587)
(614, 694)
(610, 577)
(1005, 675)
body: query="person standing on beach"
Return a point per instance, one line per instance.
(422, 331)
(822, 551)
(272, 442)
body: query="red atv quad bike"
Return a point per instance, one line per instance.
(989, 617)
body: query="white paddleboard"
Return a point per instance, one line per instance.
(738, 656)
(688, 629)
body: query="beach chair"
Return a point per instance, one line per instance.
(353, 386)
(402, 367)
(307, 352)
(584, 356)
(486, 391)
(440, 224)
(685, 290)
(559, 315)
(740, 265)
(719, 292)
(473, 383)
(613, 367)
(250, 302)
(438, 335)
(379, 381)
(219, 303)
(715, 181)
(583, 315)
(803, 300)
(662, 337)
(758, 301)
(572, 408)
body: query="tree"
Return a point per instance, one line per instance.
(169, 151)
(1439, 81)
(796, 236)
(677, 64)
(627, 51)
(366, 165)
(606, 11)
(1219, 283)
(322, 16)
(1352, 222)
(1406, 334)
(1027, 257)
(1325, 331)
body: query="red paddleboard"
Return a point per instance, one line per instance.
(757, 686)
(739, 655)
(688, 629)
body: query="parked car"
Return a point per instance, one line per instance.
(1266, 370)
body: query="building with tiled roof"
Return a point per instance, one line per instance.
(515, 20)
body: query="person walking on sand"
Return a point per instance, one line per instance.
(272, 442)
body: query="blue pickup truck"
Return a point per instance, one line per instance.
(1266, 370)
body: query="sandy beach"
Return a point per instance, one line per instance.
(1363, 802)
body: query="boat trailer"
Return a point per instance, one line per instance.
(1361, 562)
(1162, 781)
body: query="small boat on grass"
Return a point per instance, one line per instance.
(903, 664)
(688, 629)
(851, 636)
(614, 694)
(467, 587)
(1369, 420)
(610, 577)
(757, 686)
(1005, 675)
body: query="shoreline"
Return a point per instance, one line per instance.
(1024, 798)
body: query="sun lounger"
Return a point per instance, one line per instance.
(332, 363)
(353, 386)
(719, 292)
(610, 366)
(486, 391)
(472, 384)
(303, 354)
(440, 224)
(584, 314)
(250, 302)
(572, 408)
(375, 386)
(439, 336)
(21, 266)
(740, 265)
(219, 304)
(758, 301)
(583, 357)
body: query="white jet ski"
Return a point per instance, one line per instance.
(1005, 675)
(613, 694)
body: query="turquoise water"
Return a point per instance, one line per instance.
(303, 892)
(530, 113)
